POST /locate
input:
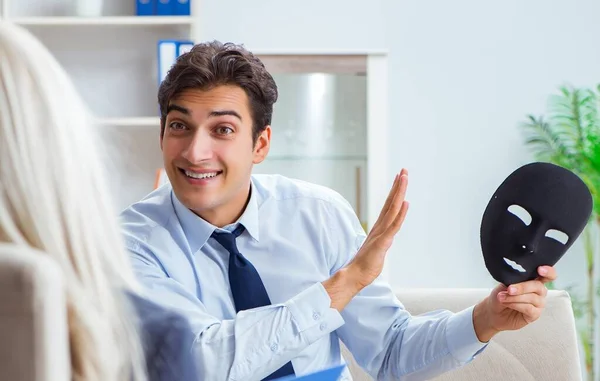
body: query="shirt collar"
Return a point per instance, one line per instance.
(197, 230)
(250, 216)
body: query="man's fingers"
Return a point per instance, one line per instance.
(398, 200)
(529, 311)
(547, 274)
(528, 287)
(393, 204)
(534, 299)
(399, 220)
(390, 197)
(394, 200)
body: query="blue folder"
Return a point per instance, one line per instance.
(168, 52)
(331, 374)
(165, 7)
(145, 7)
(181, 7)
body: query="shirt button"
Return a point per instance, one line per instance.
(274, 347)
(323, 326)
(395, 326)
(316, 316)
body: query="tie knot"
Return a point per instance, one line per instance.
(227, 240)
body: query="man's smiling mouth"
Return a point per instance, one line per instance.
(514, 265)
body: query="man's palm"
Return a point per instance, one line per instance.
(370, 258)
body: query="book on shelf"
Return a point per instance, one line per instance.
(163, 7)
(168, 52)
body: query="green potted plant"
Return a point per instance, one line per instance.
(569, 136)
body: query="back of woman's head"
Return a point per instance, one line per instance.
(53, 198)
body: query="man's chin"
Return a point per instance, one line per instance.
(190, 195)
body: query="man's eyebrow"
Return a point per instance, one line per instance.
(215, 113)
(181, 109)
(225, 112)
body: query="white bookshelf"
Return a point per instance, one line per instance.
(112, 59)
(103, 21)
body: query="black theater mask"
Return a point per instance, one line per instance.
(532, 219)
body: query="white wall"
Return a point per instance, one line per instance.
(463, 75)
(306, 25)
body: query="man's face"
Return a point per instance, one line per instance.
(208, 151)
(532, 219)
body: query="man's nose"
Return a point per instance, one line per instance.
(199, 148)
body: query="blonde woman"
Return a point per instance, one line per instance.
(53, 198)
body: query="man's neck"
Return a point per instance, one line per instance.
(229, 213)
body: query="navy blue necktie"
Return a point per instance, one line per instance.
(246, 286)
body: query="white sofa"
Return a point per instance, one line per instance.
(34, 340)
(546, 350)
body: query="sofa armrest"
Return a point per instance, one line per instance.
(544, 350)
(34, 341)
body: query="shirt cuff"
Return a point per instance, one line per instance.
(462, 339)
(312, 312)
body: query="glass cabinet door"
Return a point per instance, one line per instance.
(319, 133)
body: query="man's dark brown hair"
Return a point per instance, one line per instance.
(212, 64)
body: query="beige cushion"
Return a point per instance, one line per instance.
(34, 343)
(544, 350)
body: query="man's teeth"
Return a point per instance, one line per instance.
(201, 175)
(514, 265)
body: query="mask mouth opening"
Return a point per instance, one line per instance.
(514, 265)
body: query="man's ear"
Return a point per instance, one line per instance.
(262, 145)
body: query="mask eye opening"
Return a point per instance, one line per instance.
(521, 213)
(558, 236)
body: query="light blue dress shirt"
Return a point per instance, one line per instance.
(297, 235)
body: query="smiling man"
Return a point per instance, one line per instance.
(273, 272)
(209, 167)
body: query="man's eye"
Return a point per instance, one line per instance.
(224, 130)
(177, 126)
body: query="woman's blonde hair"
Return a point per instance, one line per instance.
(53, 197)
